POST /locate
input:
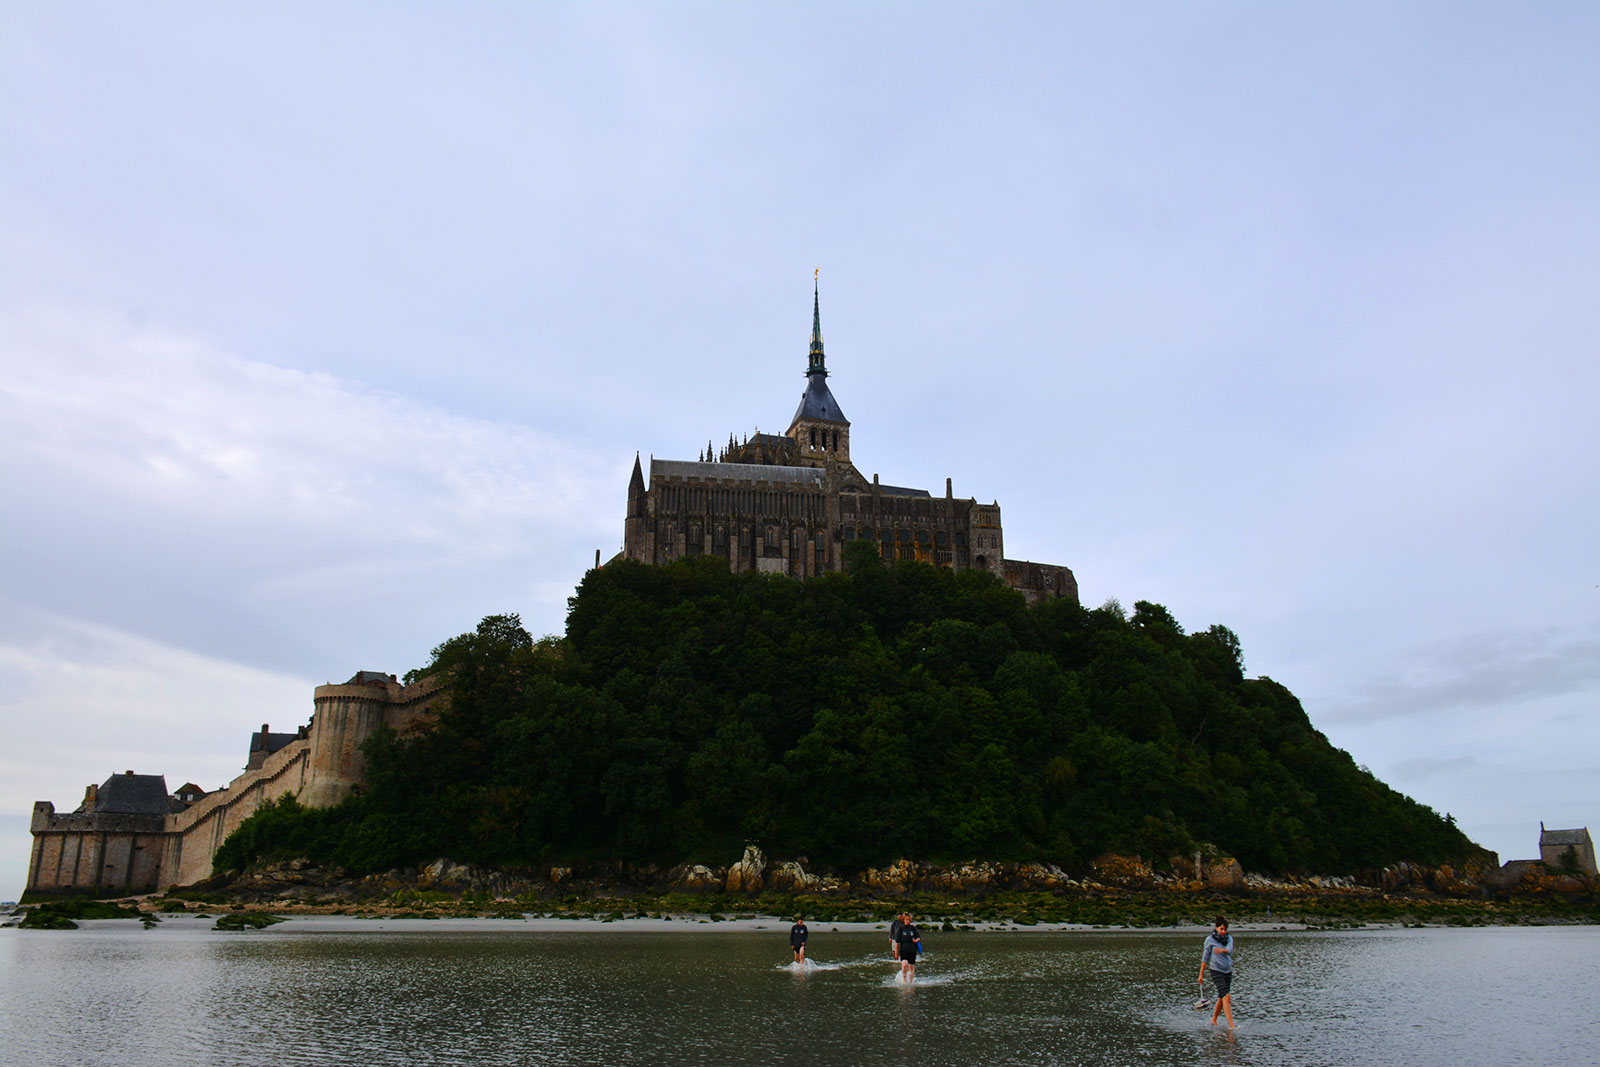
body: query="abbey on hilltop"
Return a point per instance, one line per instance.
(789, 504)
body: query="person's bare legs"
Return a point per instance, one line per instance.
(1225, 1006)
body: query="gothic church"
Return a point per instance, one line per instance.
(789, 504)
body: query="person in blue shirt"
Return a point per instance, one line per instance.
(1218, 959)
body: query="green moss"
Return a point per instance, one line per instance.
(59, 914)
(247, 920)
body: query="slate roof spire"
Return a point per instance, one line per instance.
(818, 364)
(817, 401)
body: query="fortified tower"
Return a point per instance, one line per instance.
(346, 715)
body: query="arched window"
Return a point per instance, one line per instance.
(813, 437)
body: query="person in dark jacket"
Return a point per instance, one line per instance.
(1218, 959)
(797, 938)
(909, 941)
(894, 934)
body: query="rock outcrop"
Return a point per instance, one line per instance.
(745, 876)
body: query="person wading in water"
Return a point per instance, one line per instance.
(909, 940)
(1218, 959)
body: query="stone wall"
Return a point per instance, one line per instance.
(319, 770)
(199, 830)
(1040, 581)
(94, 852)
(84, 852)
(346, 715)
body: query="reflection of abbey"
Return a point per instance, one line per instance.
(789, 504)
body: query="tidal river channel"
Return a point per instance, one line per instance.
(490, 992)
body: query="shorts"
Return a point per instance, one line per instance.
(908, 954)
(1222, 980)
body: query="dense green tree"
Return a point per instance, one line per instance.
(888, 710)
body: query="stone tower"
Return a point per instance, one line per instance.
(819, 428)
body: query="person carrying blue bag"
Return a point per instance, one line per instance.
(909, 941)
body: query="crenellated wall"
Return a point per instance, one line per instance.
(103, 852)
(346, 715)
(195, 833)
(94, 852)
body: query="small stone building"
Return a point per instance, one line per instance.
(1555, 844)
(114, 842)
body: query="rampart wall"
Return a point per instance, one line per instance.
(98, 851)
(320, 770)
(195, 833)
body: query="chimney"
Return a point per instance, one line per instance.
(947, 488)
(90, 795)
(597, 559)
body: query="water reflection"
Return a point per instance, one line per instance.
(501, 993)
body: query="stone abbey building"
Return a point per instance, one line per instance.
(788, 504)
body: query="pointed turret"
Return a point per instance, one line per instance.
(635, 532)
(819, 363)
(817, 402)
(636, 483)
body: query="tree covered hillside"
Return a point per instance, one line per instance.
(853, 719)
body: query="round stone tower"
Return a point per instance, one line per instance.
(348, 714)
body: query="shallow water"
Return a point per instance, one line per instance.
(490, 993)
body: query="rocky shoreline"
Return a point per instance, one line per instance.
(1116, 890)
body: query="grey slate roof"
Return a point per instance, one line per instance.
(1579, 836)
(368, 678)
(817, 401)
(133, 794)
(736, 472)
(900, 490)
(270, 742)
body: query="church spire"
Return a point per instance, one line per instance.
(818, 363)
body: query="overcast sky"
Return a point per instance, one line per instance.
(328, 329)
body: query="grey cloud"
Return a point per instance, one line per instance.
(1422, 768)
(1487, 670)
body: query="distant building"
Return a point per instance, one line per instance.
(1554, 845)
(789, 504)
